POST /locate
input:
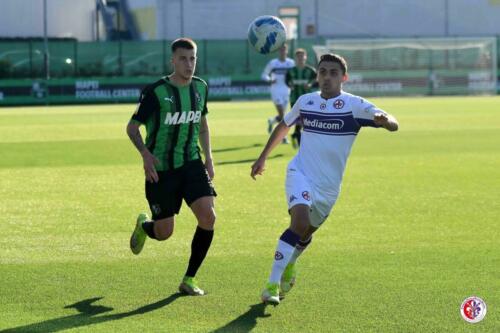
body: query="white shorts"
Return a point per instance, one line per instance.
(280, 96)
(299, 190)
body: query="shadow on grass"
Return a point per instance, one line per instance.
(248, 160)
(245, 322)
(255, 145)
(88, 316)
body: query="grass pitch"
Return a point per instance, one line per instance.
(414, 233)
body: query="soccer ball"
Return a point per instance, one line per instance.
(266, 34)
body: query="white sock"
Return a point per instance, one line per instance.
(283, 253)
(281, 257)
(296, 253)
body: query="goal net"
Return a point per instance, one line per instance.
(417, 66)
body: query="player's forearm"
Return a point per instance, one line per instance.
(386, 121)
(135, 136)
(276, 138)
(266, 78)
(266, 75)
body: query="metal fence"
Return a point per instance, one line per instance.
(70, 58)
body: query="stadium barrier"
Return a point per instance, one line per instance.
(107, 72)
(93, 72)
(116, 90)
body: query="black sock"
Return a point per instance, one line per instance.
(148, 227)
(199, 247)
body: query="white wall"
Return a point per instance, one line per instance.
(66, 18)
(229, 19)
(381, 18)
(220, 19)
(474, 17)
(168, 17)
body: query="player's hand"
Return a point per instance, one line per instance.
(386, 121)
(258, 167)
(209, 165)
(380, 119)
(149, 161)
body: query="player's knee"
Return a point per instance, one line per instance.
(163, 231)
(163, 235)
(207, 220)
(301, 227)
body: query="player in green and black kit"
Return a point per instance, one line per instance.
(174, 111)
(300, 79)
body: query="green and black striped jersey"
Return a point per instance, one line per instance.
(297, 78)
(172, 116)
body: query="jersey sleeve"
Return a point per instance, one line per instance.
(293, 115)
(364, 112)
(266, 74)
(148, 105)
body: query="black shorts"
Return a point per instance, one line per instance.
(189, 182)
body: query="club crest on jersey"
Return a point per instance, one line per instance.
(182, 118)
(338, 104)
(322, 106)
(306, 195)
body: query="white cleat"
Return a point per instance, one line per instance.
(270, 294)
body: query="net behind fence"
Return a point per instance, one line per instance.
(434, 66)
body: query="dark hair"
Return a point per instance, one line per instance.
(183, 43)
(334, 58)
